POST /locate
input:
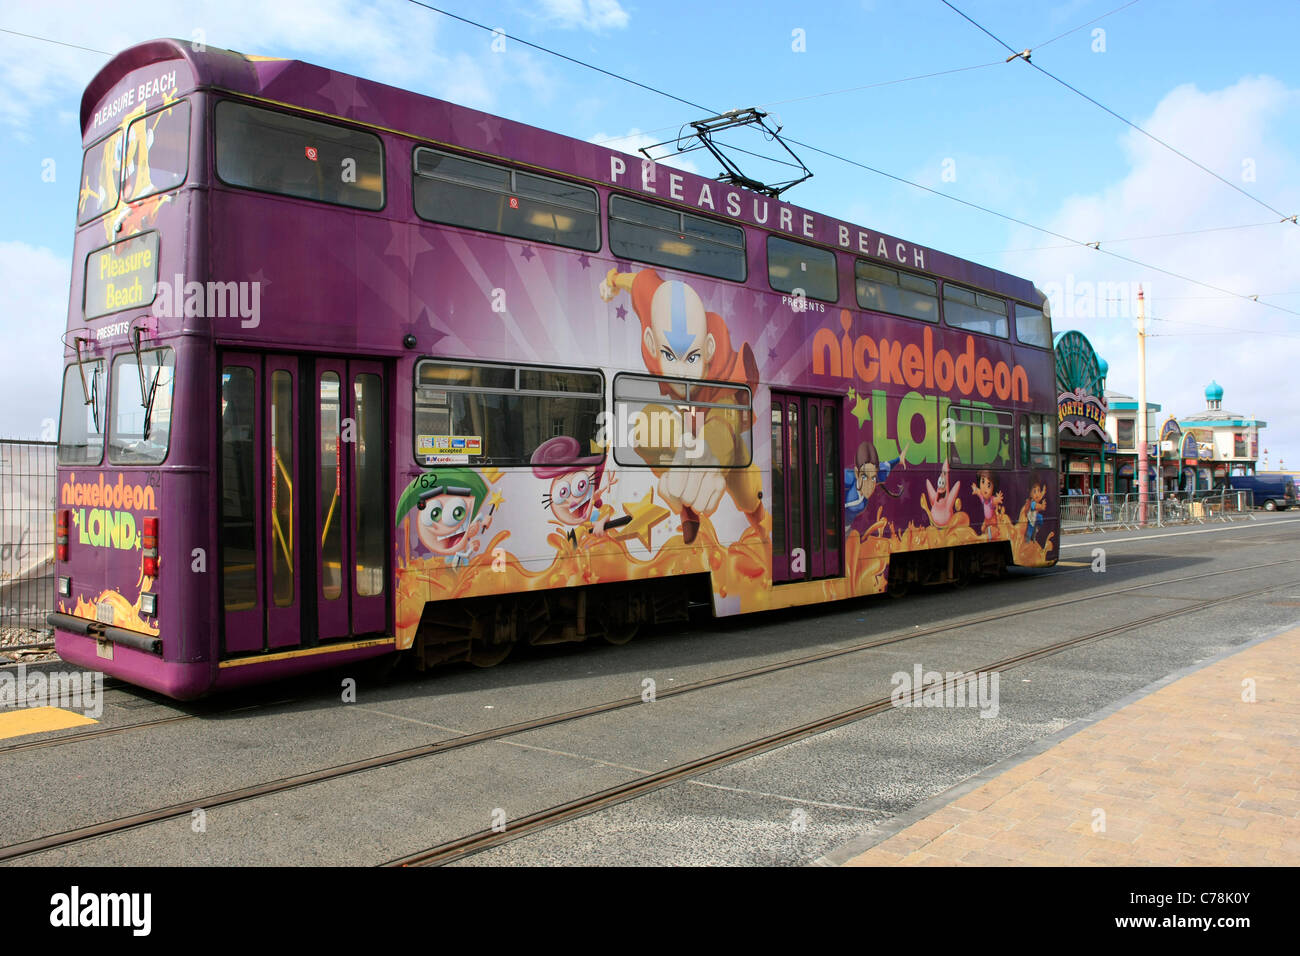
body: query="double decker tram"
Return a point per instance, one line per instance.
(351, 371)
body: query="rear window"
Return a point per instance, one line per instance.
(157, 151)
(142, 407)
(81, 421)
(101, 174)
(292, 156)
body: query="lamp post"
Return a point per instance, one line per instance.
(1143, 478)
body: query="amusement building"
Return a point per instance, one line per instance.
(1098, 433)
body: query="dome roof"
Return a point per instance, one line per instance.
(1214, 392)
(1103, 366)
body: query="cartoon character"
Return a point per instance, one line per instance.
(986, 490)
(681, 339)
(448, 505)
(867, 476)
(1035, 508)
(577, 483)
(941, 506)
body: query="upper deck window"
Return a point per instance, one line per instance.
(293, 156)
(81, 422)
(793, 267)
(484, 414)
(975, 311)
(457, 191)
(645, 232)
(882, 289)
(101, 176)
(157, 151)
(1033, 326)
(142, 407)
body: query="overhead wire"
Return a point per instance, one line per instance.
(1025, 55)
(852, 162)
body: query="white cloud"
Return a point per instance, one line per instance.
(634, 139)
(393, 43)
(35, 281)
(1190, 340)
(594, 15)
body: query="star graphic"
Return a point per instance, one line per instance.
(527, 253)
(771, 355)
(861, 411)
(597, 447)
(645, 515)
(621, 312)
(495, 499)
(491, 129)
(493, 475)
(584, 261)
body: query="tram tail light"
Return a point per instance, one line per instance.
(61, 534)
(151, 547)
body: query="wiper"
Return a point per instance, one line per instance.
(146, 394)
(88, 393)
(93, 399)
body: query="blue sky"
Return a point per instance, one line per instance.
(1217, 81)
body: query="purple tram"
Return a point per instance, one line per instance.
(351, 371)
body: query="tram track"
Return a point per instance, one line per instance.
(100, 732)
(453, 850)
(284, 784)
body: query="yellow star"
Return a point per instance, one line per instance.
(597, 447)
(496, 498)
(645, 515)
(492, 474)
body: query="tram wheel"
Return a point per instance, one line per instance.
(896, 586)
(489, 655)
(620, 633)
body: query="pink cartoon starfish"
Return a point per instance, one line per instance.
(942, 505)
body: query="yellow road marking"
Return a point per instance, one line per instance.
(1073, 564)
(39, 720)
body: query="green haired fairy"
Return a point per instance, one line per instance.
(448, 512)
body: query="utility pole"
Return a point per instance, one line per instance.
(1143, 478)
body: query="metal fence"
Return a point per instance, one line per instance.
(1100, 512)
(27, 499)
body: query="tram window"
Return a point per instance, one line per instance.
(500, 414)
(1038, 441)
(81, 422)
(101, 174)
(975, 311)
(464, 192)
(793, 266)
(645, 232)
(1034, 326)
(981, 437)
(142, 420)
(239, 530)
(882, 289)
(157, 151)
(292, 156)
(683, 423)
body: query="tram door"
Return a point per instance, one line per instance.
(807, 523)
(303, 465)
(351, 518)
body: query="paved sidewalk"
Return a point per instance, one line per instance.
(1191, 774)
